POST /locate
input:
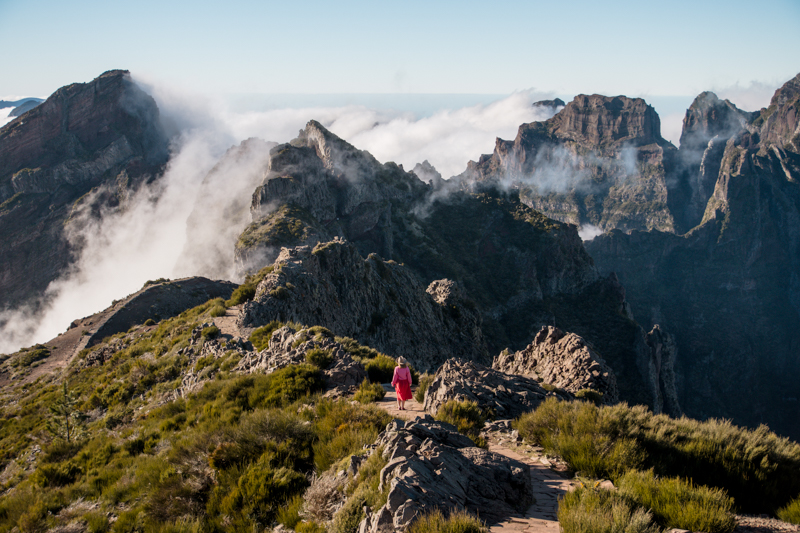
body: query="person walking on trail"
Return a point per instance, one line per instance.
(401, 381)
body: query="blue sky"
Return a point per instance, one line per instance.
(635, 48)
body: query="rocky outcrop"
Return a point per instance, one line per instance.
(432, 466)
(379, 303)
(503, 395)
(289, 347)
(521, 269)
(563, 360)
(103, 136)
(600, 161)
(728, 289)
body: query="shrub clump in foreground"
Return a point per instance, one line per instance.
(369, 392)
(425, 381)
(456, 522)
(760, 470)
(791, 513)
(261, 336)
(467, 416)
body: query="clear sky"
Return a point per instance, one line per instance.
(679, 47)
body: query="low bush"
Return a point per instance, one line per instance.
(357, 351)
(261, 336)
(320, 358)
(425, 381)
(579, 433)
(758, 469)
(456, 522)
(590, 395)
(380, 369)
(467, 416)
(217, 310)
(676, 503)
(601, 511)
(369, 392)
(363, 491)
(210, 332)
(247, 290)
(289, 515)
(791, 512)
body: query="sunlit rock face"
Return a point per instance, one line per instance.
(102, 137)
(600, 161)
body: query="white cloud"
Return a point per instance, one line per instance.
(148, 238)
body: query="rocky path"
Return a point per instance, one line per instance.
(548, 485)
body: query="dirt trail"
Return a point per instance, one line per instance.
(548, 485)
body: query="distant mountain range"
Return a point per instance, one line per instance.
(701, 240)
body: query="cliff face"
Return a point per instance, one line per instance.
(521, 269)
(599, 161)
(729, 289)
(381, 303)
(103, 136)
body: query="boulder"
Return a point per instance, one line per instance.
(432, 466)
(563, 360)
(503, 395)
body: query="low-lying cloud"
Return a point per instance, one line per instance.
(147, 238)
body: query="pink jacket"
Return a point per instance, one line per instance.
(400, 374)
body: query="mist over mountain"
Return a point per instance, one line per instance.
(119, 191)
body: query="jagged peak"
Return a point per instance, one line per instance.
(603, 120)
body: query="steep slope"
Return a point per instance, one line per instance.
(522, 270)
(599, 161)
(729, 289)
(101, 137)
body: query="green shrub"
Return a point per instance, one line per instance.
(601, 511)
(242, 294)
(96, 522)
(320, 358)
(217, 310)
(210, 332)
(756, 467)
(590, 395)
(676, 503)
(791, 512)
(456, 522)
(309, 527)
(362, 491)
(357, 351)
(56, 475)
(465, 415)
(369, 392)
(289, 515)
(280, 292)
(425, 381)
(149, 322)
(380, 369)
(261, 336)
(579, 434)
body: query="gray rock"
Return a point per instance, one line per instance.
(503, 395)
(563, 360)
(442, 469)
(380, 303)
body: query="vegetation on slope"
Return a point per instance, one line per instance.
(759, 470)
(232, 456)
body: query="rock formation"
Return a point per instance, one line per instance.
(503, 395)
(380, 303)
(432, 466)
(703, 238)
(563, 360)
(101, 137)
(600, 161)
(521, 269)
